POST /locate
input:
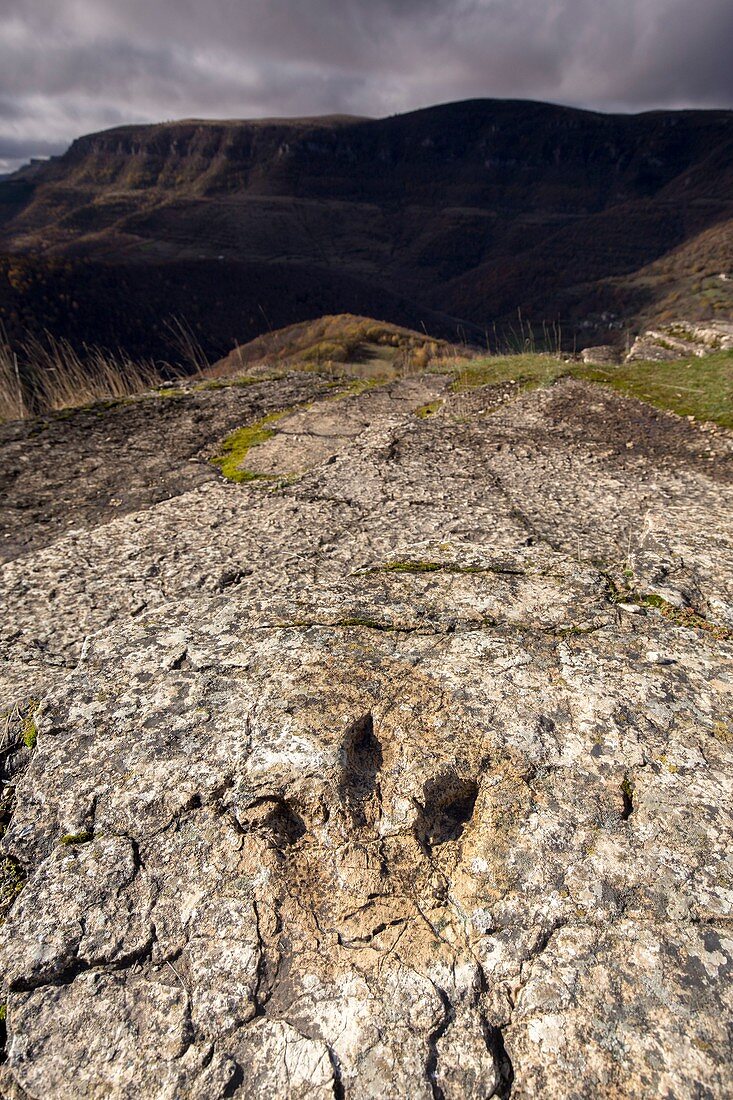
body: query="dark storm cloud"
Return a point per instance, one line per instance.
(70, 66)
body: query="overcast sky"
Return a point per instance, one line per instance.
(68, 67)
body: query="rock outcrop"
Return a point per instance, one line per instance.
(681, 340)
(400, 769)
(602, 355)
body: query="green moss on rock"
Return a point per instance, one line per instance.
(236, 447)
(426, 411)
(12, 881)
(71, 839)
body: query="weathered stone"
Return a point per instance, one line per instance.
(408, 777)
(601, 355)
(681, 340)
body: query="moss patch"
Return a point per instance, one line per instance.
(345, 624)
(680, 616)
(236, 447)
(225, 383)
(170, 391)
(71, 839)
(353, 389)
(12, 881)
(410, 566)
(373, 624)
(30, 729)
(19, 726)
(426, 411)
(685, 616)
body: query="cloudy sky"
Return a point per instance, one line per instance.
(69, 67)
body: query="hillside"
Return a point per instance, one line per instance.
(374, 348)
(370, 737)
(454, 217)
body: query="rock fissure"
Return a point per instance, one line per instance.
(454, 626)
(339, 1092)
(69, 973)
(494, 1038)
(431, 1063)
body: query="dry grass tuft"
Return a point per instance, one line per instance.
(48, 375)
(62, 379)
(12, 396)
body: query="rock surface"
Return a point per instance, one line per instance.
(681, 340)
(601, 355)
(403, 770)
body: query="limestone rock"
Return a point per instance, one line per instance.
(602, 355)
(681, 340)
(361, 780)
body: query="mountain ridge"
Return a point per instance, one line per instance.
(471, 210)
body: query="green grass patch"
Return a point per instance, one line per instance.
(538, 370)
(698, 387)
(236, 447)
(701, 388)
(695, 387)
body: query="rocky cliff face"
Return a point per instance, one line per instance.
(401, 768)
(480, 151)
